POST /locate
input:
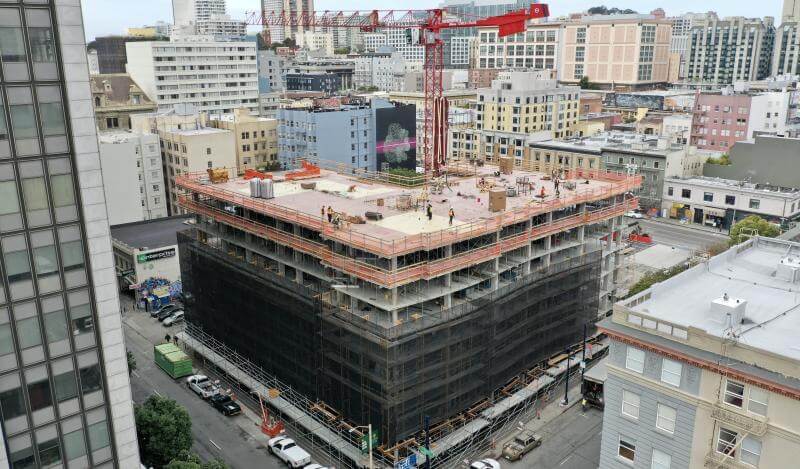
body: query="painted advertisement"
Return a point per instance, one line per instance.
(396, 137)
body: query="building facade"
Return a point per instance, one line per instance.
(111, 52)
(66, 398)
(133, 176)
(699, 374)
(528, 102)
(681, 33)
(537, 48)
(786, 57)
(289, 9)
(724, 51)
(382, 70)
(256, 138)
(115, 97)
(616, 51)
(327, 83)
(720, 120)
(215, 76)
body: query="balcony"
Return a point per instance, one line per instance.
(720, 461)
(726, 414)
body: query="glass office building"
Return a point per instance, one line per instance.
(65, 396)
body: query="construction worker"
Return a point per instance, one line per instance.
(430, 212)
(322, 212)
(330, 214)
(451, 214)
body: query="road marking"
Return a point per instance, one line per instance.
(134, 373)
(215, 445)
(564, 460)
(158, 393)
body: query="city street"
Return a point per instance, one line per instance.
(215, 436)
(683, 236)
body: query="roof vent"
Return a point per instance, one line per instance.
(789, 269)
(728, 311)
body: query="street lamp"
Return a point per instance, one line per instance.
(369, 440)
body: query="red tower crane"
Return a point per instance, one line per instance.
(430, 24)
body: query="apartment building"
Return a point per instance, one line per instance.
(616, 51)
(133, 176)
(317, 41)
(288, 9)
(215, 76)
(537, 48)
(677, 127)
(327, 83)
(724, 51)
(702, 371)
(206, 17)
(719, 120)
(786, 58)
(527, 102)
(681, 34)
(722, 202)
(256, 141)
(382, 70)
(193, 151)
(115, 97)
(66, 398)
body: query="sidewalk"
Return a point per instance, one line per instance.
(691, 226)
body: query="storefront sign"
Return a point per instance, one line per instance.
(155, 255)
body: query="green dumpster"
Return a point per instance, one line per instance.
(172, 360)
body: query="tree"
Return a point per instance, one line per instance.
(131, 362)
(651, 278)
(192, 461)
(585, 84)
(752, 225)
(341, 50)
(602, 10)
(164, 429)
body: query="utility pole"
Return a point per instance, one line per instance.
(566, 383)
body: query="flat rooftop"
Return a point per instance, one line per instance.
(787, 192)
(200, 131)
(748, 272)
(470, 203)
(151, 234)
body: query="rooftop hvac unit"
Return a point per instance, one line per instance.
(267, 188)
(255, 187)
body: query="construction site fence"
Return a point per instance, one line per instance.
(618, 184)
(430, 319)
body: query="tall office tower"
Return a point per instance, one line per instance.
(185, 11)
(65, 395)
(456, 50)
(289, 8)
(206, 17)
(729, 50)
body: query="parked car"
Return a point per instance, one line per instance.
(288, 452)
(315, 466)
(166, 314)
(156, 312)
(517, 448)
(485, 464)
(202, 386)
(224, 404)
(175, 318)
(634, 214)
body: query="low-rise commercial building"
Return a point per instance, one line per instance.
(256, 142)
(115, 97)
(702, 368)
(133, 177)
(766, 159)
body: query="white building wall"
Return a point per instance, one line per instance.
(768, 204)
(768, 113)
(79, 102)
(167, 267)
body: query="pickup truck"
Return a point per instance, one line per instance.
(202, 386)
(288, 452)
(521, 445)
(224, 404)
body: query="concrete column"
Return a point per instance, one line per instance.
(298, 275)
(394, 316)
(281, 268)
(496, 276)
(353, 304)
(448, 297)
(394, 296)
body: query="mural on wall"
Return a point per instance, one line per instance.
(396, 137)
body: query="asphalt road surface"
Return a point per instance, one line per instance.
(679, 235)
(570, 441)
(215, 436)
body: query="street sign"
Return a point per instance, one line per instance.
(407, 463)
(365, 441)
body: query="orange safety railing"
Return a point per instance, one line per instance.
(403, 275)
(618, 184)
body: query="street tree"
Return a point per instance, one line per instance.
(164, 429)
(752, 225)
(192, 461)
(131, 362)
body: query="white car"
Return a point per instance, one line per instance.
(485, 464)
(315, 466)
(202, 386)
(288, 452)
(633, 214)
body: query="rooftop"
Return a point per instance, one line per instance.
(741, 186)
(200, 131)
(751, 275)
(150, 234)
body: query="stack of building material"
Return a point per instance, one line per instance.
(497, 200)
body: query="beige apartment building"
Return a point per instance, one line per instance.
(256, 138)
(627, 52)
(704, 368)
(192, 151)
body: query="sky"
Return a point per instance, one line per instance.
(103, 17)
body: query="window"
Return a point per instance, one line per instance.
(645, 72)
(208, 152)
(12, 45)
(578, 71)
(65, 386)
(730, 200)
(646, 54)
(630, 404)
(81, 322)
(686, 193)
(627, 450)
(755, 203)
(708, 196)
(726, 442)
(635, 360)
(734, 393)
(580, 53)
(112, 122)
(648, 33)
(751, 451)
(670, 190)
(660, 460)
(757, 403)
(12, 402)
(665, 418)
(671, 372)
(581, 36)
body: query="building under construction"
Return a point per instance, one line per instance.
(391, 298)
